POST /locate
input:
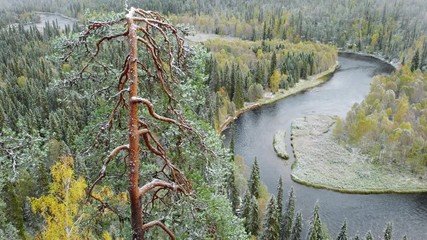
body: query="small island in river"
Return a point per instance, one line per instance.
(320, 161)
(279, 144)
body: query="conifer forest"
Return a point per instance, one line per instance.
(154, 119)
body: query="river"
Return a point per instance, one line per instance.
(51, 18)
(254, 131)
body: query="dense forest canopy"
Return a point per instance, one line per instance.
(53, 116)
(390, 124)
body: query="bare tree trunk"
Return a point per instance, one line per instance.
(133, 162)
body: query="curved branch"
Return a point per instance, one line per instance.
(157, 183)
(101, 174)
(161, 225)
(150, 108)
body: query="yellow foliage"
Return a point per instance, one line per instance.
(66, 68)
(402, 110)
(106, 236)
(122, 197)
(275, 81)
(61, 208)
(259, 54)
(22, 81)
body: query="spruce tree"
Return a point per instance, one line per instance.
(287, 221)
(369, 236)
(388, 232)
(233, 194)
(315, 231)
(280, 199)
(415, 61)
(254, 217)
(259, 74)
(246, 211)
(273, 62)
(254, 180)
(239, 99)
(343, 233)
(297, 228)
(356, 237)
(250, 214)
(271, 224)
(233, 74)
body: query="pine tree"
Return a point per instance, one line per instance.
(356, 237)
(388, 232)
(343, 233)
(297, 228)
(271, 224)
(369, 236)
(254, 180)
(315, 231)
(287, 221)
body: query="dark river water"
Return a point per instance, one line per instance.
(254, 133)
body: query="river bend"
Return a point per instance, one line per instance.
(254, 131)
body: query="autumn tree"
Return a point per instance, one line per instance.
(275, 81)
(61, 208)
(156, 53)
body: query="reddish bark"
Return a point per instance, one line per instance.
(139, 27)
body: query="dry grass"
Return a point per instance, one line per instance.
(324, 163)
(279, 144)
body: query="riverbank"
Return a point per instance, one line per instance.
(395, 64)
(269, 97)
(317, 153)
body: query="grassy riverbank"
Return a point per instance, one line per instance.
(322, 162)
(269, 97)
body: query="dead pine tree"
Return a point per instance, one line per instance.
(147, 33)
